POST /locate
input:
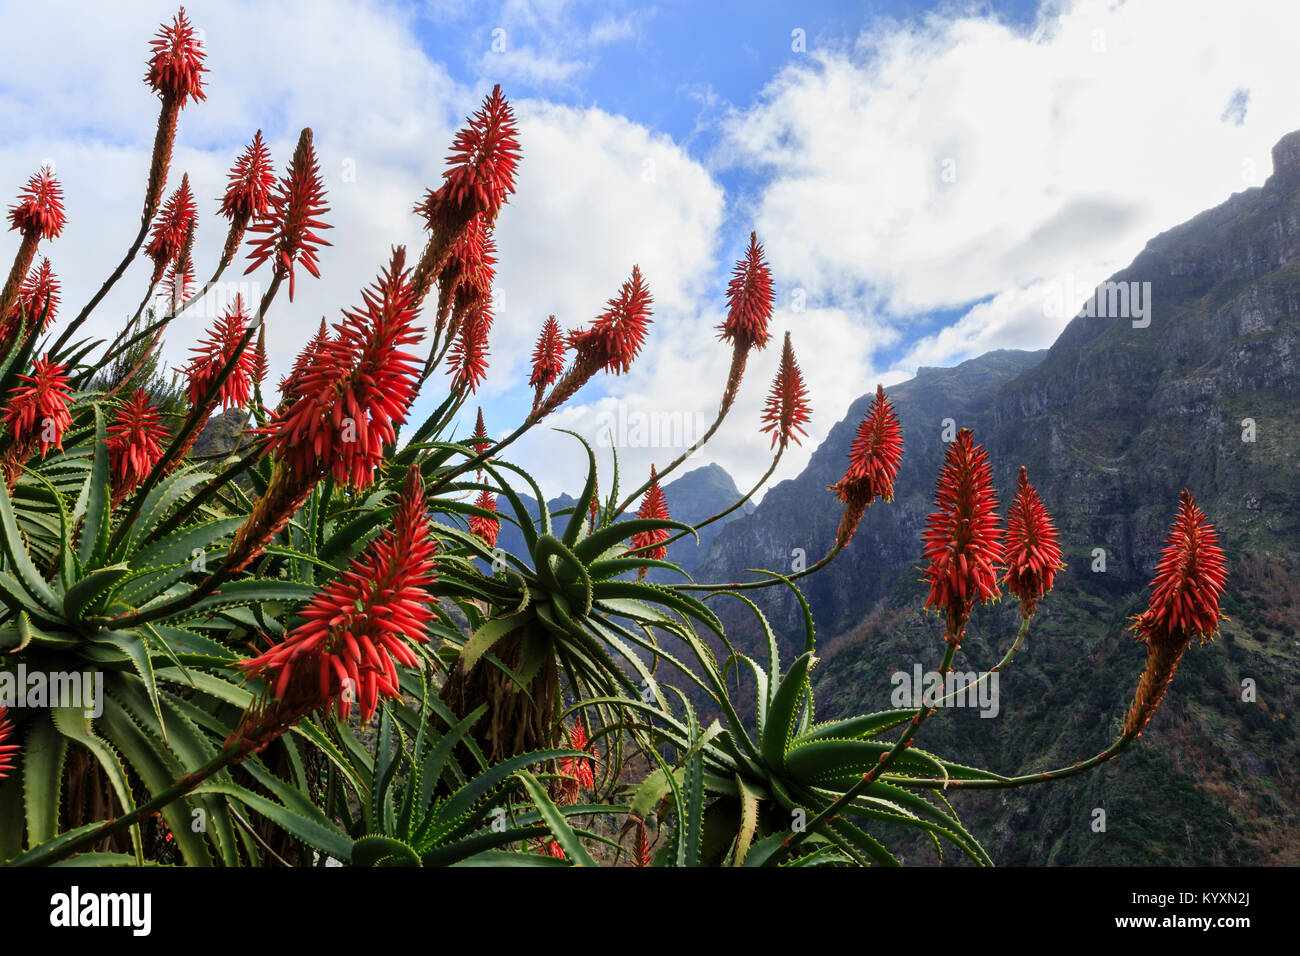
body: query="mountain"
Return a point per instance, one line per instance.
(1112, 422)
(695, 496)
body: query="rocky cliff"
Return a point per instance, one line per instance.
(1120, 414)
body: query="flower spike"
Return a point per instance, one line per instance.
(37, 215)
(211, 355)
(548, 356)
(610, 343)
(176, 65)
(484, 527)
(787, 409)
(248, 195)
(650, 544)
(749, 300)
(289, 230)
(874, 460)
(1190, 578)
(961, 537)
(356, 630)
(134, 444)
(7, 750)
(39, 210)
(1029, 548)
(37, 415)
(172, 228)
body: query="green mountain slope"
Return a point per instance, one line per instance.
(1112, 422)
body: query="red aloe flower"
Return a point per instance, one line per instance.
(38, 408)
(39, 210)
(355, 389)
(469, 353)
(1029, 548)
(479, 441)
(288, 232)
(576, 773)
(961, 538)
(37, 215)
(787, 409)
(749, 300)
(348, 394)
(1189, 580)
(611, 343)
(1190, 577)
(483, 159)
(41, 292)
(548, 356)
(172, 227)
(472, 262)
(617, 334)
(484, 155)
(481, 526)
(354, 630)
(874, 460)
(134, 443)
(176, 66)
(248, 195)
(650, 544)
(581, 769)
(643, 855)
(7, 751)
(211, 355)
(551, 848)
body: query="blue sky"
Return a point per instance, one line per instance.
(927, 179)
(676, 67)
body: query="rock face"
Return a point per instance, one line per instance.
(1112, 422)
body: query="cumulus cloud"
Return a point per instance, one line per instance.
(955, 160)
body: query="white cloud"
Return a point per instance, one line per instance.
(954, 160)
(525, 64)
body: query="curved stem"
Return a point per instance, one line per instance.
(1006, 659)
(1024, 780)
(765, 582)
(728, 399)
(111, 353)
(108, 284)
(471, 463)
(180, 788)
(156, 327)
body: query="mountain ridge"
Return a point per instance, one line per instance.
(1112, 421)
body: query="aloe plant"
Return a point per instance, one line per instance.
(249, 620)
